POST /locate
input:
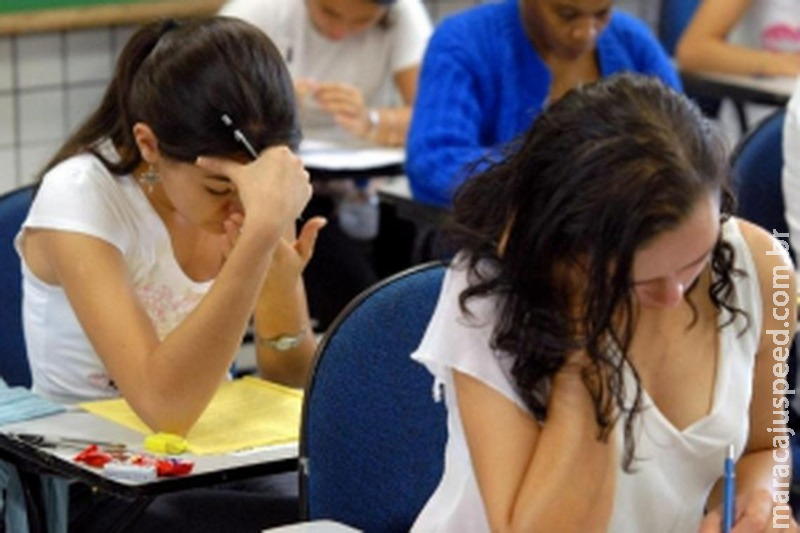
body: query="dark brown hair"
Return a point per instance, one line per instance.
(602, 172)
(179, 78)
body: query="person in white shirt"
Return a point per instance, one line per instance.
(156, 235)
(749, 37)
(355, 65)
(608, 329)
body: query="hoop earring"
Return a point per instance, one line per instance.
(149, 178)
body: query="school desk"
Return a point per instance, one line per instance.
(32, 460)
(326, 160)
(314, 526)
(396, 191)
(773, 91)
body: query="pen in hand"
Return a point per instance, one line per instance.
(242, 139)
(729, 488)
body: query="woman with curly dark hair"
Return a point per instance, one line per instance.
(601, 337)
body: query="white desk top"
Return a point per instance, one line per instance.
(354, 156)
(77, 423)
(314, 526)
(774, 89)
(776, 85)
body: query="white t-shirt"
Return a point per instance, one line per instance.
(80, 195)
(676, 469)
(367, 60)
(770, 25)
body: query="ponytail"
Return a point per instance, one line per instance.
(112, 118)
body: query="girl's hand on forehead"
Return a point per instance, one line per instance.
(273, 190)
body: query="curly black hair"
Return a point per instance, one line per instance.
(601, 173)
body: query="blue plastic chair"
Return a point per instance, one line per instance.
(757, 163)
(13, 358)
(673, 17)
(372, 438)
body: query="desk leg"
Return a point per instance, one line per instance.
(136, 508)
(125, 516)
(32, 489)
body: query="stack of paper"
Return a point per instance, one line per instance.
(245, 413)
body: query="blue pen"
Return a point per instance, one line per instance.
(729, 502)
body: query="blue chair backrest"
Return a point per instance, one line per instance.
(372, 439)
(13, 358)
(757, 163)
(673, 17)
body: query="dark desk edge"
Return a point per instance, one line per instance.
(34, 460)
(415, 211)
(323, 174)
(695, 85)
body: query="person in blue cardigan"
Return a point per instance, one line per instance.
(490, 70)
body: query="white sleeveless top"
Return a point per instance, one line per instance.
(675, 470)
(770, 25)
(80, 195)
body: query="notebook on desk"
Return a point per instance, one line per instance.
(245, 413)
(317, 153)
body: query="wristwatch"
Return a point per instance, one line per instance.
(283, 342)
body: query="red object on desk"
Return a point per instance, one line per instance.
(166, 466)
(92, 455)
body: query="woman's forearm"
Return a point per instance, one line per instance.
(284, 313)
(185, 369)
(570, 482)
(716, 56)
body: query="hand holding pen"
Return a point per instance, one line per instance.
(273, 189)
(746, 512)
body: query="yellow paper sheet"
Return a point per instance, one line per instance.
(244, 413)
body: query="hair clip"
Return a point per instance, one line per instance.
(239, 136)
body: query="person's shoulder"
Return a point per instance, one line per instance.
(628, 37)
(79, 176)
(769, 251)
(482, 18)
(626, 24)
(80, 168)
(409, 6)
(474, 30)
(410, 17)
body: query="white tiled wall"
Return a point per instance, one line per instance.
(50, 81)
